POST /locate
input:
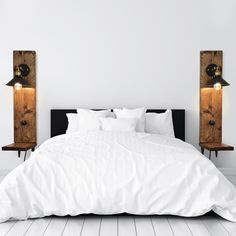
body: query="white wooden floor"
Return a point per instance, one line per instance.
(121, 225)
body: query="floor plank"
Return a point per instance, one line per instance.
(214, 226)
(20, 228)
(179, 227)
(229, 226)
(109, 226)
(91, 225)
(144, 226)
(56, 226)
(38, 227)
(161, 226)
(126, 226)
(6, 227)
(197, 227)
(120, 225)
(74, 226)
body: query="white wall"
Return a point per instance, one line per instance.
(114, 53)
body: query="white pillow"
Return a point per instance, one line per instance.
(73, 124)
(103, 113)
(138, 113)
(112, 124)
(89, 119)
(160, 123)
(86, 119)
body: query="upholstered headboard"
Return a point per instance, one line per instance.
(59, 121)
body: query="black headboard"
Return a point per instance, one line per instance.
(59, 121)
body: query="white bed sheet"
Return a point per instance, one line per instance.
(114, 172)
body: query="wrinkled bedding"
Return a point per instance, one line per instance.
(114, 172)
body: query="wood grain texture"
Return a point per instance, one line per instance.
(216, 146)
(25, 100)
(19, 146)
(210, 100)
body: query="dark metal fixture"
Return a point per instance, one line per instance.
(215, 72)
(19, 81)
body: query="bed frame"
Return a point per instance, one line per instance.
(59, 121)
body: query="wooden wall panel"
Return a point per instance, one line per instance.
(25, 101)
(210, 100)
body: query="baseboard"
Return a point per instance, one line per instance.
(4, 172)
(228, 171)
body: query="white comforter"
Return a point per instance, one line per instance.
(108, 173)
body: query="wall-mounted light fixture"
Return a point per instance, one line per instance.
(19, 81)
(211, 97)
(215, 72)
(24, 102)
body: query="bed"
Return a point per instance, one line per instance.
(107, 173)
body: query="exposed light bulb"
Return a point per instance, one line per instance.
(18, 86)
(217, 86)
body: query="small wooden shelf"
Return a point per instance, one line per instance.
(20, 147)
(215, 147)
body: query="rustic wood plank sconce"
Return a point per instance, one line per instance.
(211, 84)
(24, 89)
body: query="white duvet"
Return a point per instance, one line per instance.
(110, 172)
